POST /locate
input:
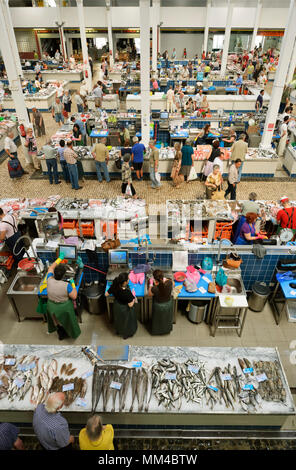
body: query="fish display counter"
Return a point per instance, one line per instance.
(134, 385)
(289, 163)
(42, 100)
(110, 101)
(73, 76)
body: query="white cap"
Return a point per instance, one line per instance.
(284, 199)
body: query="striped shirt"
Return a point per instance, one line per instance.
(70, 156)
(126, 172)
(51, 429)
(8, 435)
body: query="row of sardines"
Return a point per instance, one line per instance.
(244, 386)
(34, 378)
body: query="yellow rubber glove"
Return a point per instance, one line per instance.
(60, 259)
(72, 283)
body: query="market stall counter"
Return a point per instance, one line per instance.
(109, 102)
(74, 76)
(42, 100)
(175, 386)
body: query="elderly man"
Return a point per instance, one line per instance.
(286, 217)
(71, 159)
(50, 154)
(101, 156)
(57, 111)
(138, 151)
(38, 122)
(233, 179)
(98, 92)
(79, 102)
(50, 427)
(153, 163)
(170, 100)
(11, 150)
(239, 150)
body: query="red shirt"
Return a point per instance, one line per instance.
(284, 215)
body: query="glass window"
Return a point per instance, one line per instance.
(100, 42)
(218, 40)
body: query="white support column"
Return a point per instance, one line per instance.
(280, 75)
(256, 24)
(60, 24)
(145, 69)
(87, 71)
(226, 38)
(110, 38)
(206, 31)
(292, 65)
(12, 62)
(155, 23)
(69, 46)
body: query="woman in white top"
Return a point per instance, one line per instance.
(283, 139)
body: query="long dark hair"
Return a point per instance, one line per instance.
(119, 280)
(158, 276)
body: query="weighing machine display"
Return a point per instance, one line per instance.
(118, 257)
(69, 251)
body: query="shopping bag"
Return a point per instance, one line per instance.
(218, 195)
(157, 177)
(192, 175)
(128, 190)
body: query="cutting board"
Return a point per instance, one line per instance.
(113, 353)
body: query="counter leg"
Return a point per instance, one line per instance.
(244, 314)
(108, 309)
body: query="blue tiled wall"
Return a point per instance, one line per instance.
(252, 268)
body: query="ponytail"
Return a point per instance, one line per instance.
(119, 280)
(158, 276)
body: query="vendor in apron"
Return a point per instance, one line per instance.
(60, 310)
(162, 310)
(286, 217)
(247, 206)
(10, 234)
(248, 232)
(124, 314)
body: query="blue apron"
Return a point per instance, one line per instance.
(241, 221)
(241, 239)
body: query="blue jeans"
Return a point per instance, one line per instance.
(240, 171)
(250, 76)
(73, 173)
(65, 170)
(80, 108)
(102, 166)
(59, 117)
(155, 183)
(52, 168)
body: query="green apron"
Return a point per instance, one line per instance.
(42, 305)
(162, 318)
(64, 313)
(125, 319)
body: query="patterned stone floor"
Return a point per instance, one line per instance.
(93, 189)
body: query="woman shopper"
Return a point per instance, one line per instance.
(208, 167)
(38, 122)
(213, 182)
(187, 161)
(126, 176)
(124, 314)
(67, 102)
(176, 177)
(31, 144)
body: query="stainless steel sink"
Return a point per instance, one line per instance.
(237, 283)
(23, 295)
(26, 284)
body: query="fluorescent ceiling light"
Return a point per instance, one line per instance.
(52, 3)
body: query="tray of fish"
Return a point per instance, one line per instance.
(112, 384)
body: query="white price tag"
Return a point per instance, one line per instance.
(226, 377)
(81, 402)
(206, 279)
(68, 387)
(170, 376)
(202, 290)
(18, 382)
(137, 364)
(292, 292)
(116, 385)
(10, 362)
(87, 374)
(193, 369)
(261, 377)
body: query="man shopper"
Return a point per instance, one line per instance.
(153, 162)
(50, 154)
(138, 151)
(101, 156)
(239, 150)
(233, 179)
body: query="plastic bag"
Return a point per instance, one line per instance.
(221, 278)
(192, 175)
(128, 190)
(157, 177)
(190, 285)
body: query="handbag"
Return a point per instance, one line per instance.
(233, 260)
(110, 244)
(218, 195)
(65, 113)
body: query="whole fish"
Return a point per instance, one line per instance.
(134, 377)
(107, 389)
(143, 392)
(114, 391)
(127, 381)
(122, 378)
(149, 390)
